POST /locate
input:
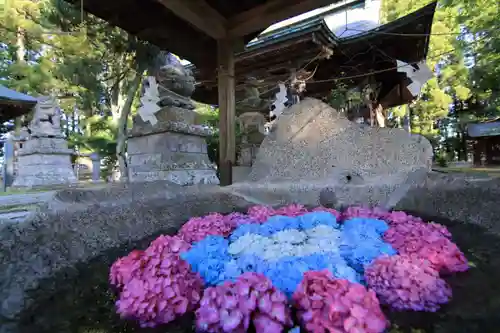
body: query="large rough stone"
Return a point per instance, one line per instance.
(465, 198)
(311, 140)
(79, 224)
(456, 196)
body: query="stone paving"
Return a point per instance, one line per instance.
(16, 207)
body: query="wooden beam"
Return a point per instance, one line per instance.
(200, 14)
(261, 17)
(227, 110)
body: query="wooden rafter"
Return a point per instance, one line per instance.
(271, 12)
(200, 14)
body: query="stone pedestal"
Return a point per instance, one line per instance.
(173, 149)
(247, 154)
(44, 162)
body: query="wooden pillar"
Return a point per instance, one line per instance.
(227, 105)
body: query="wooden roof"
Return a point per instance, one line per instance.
(270, 59)
(376, 51)
(14, 104)
(190, 28)
(271, 56)
(483, 129)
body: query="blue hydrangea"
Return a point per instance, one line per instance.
(288, 272)
(314, 219)
(243, 264)
(367, 224)
(208, 257)
(243, 230)
(279, 223)
(360, 243)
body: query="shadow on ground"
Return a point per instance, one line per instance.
(80, 301)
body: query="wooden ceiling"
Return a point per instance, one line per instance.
(405, 39)
(191, 28)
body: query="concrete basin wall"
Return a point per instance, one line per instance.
(80, 225)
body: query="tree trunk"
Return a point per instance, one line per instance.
(379, 115)
(20, 45)
(121, 139)
(20, 58)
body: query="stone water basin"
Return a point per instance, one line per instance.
(61, 259)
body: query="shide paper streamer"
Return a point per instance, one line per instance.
(332, 269)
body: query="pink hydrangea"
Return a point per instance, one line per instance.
(400, 217)
(326, 304)
(231, 306)
(397, 217)
(237, 219)
(428, 241)
(164, 287)
(123, 269)
(355, 211)
(292, 210)
(407, 283)
(198, 228)
(329, 210)
(261, 213)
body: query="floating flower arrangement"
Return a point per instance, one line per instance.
(275, 269)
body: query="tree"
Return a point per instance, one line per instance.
(95, 69)
(439, 93)
(119, 61)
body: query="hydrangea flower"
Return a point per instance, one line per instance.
(278, 223)
(366, 225)
(291, 242)
(287, 272)
(305, 254)
(329, 210)
(326, 304)
(395, 217)
(237, 219)
(243, 264)
(314, 219)
(407, 283)
(231, 306)
(261, 213)
(124, 268)
(430, 242)
(356, 211)
(362, 242)
(163, 288)
(292, 210)
(208, 258)
(197, 228)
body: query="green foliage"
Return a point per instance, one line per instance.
(438, 93)
(465, 51)
(442, 159)
(341, 97)
(210, 116)
(102, 141)
(51, 47)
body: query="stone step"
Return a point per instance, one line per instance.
(12, 217)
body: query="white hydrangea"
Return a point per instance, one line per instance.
(290, 242)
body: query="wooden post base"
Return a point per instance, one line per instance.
(226, 173)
